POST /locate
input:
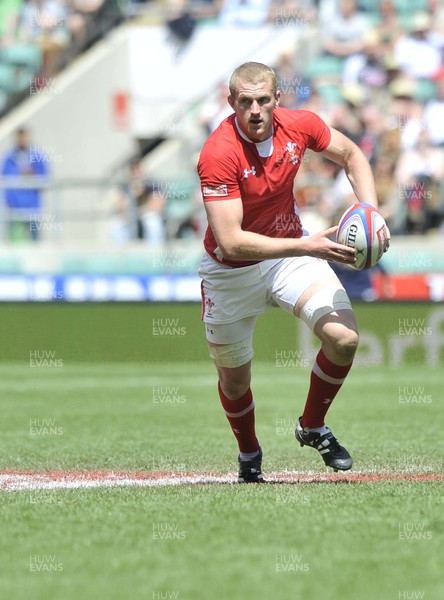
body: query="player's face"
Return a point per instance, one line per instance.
(254, 104)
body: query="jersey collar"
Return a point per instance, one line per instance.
(265, 148)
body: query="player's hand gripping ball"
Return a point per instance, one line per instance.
(363, 227)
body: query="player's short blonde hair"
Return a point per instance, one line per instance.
(252, 72)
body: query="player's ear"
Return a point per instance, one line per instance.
(278, 97)
(231, 101)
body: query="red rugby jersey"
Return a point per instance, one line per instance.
(231, 167)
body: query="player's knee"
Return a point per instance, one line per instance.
(346, 343)
(235, 382)
(234, 385)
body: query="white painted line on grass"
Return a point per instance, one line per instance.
(59, 480)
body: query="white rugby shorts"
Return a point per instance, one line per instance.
(237, 295)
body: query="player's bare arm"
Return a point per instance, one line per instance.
(225, 218)
(350, 157)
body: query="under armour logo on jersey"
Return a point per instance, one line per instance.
(247, 172)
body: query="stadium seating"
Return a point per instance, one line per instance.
(330, 67)
(330, 92)
(424, 90)
(27, 56)
(17, 71)
(7, 79)
(401, 6)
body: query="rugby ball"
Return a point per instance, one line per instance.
(363, 227)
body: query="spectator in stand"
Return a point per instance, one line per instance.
(316, 103)
(389, 26)
(387, 190)
(87, 7)
(293, 13)
(327, 10)
(286, 79)
(387, 157)
(44, 22)
(203, 10)
(143, 201)
(436, 34)
(405, 112)
(416, 53)
(392, 68)
(344, 34)
(436, 10)
(419, 173)
(367, 67)
(181, 23)
(344, 117)
(24, 204)
(80, 14)
(372, 126)
(213, 112)
(9, 17)
(434, 115)
(311, 193)
(152, 207)
(294, 88)
(244, 13)
(121, 224)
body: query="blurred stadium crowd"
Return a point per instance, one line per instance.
(38, 38)
(375, 72)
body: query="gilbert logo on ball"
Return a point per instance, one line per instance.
(363, 227)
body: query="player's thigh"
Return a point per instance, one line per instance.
(326, 308)
(305, 285)
(230, 294)
(310, 289)
(325, 280)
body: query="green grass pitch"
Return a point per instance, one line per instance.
(131, 388)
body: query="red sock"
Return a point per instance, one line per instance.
(325, 382)
(240, 415)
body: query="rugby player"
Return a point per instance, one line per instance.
(257, 252)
